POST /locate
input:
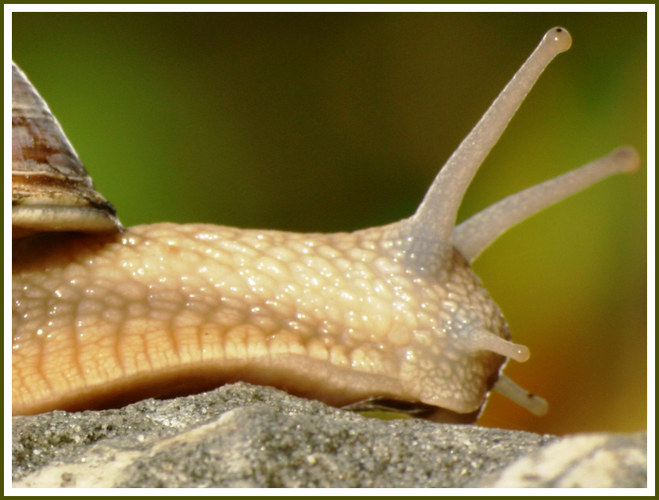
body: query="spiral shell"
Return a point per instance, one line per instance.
(386, 313)
(51, 190)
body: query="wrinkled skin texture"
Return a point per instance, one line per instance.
(165, 309)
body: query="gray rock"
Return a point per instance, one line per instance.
(580, 461)
(248, 436)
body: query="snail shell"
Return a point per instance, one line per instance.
(51, 190)
(391, 312)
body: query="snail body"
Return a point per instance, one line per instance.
(108, 315)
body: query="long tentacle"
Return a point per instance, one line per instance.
(476, 233)
(430, 230)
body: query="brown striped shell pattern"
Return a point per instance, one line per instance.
(387, 317)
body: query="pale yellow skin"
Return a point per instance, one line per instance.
(393, 312)
(164, 308)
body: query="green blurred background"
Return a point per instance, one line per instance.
(333, 122)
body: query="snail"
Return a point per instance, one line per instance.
(389, 317)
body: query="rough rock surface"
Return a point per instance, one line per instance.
(584, 460)
(247, 436)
